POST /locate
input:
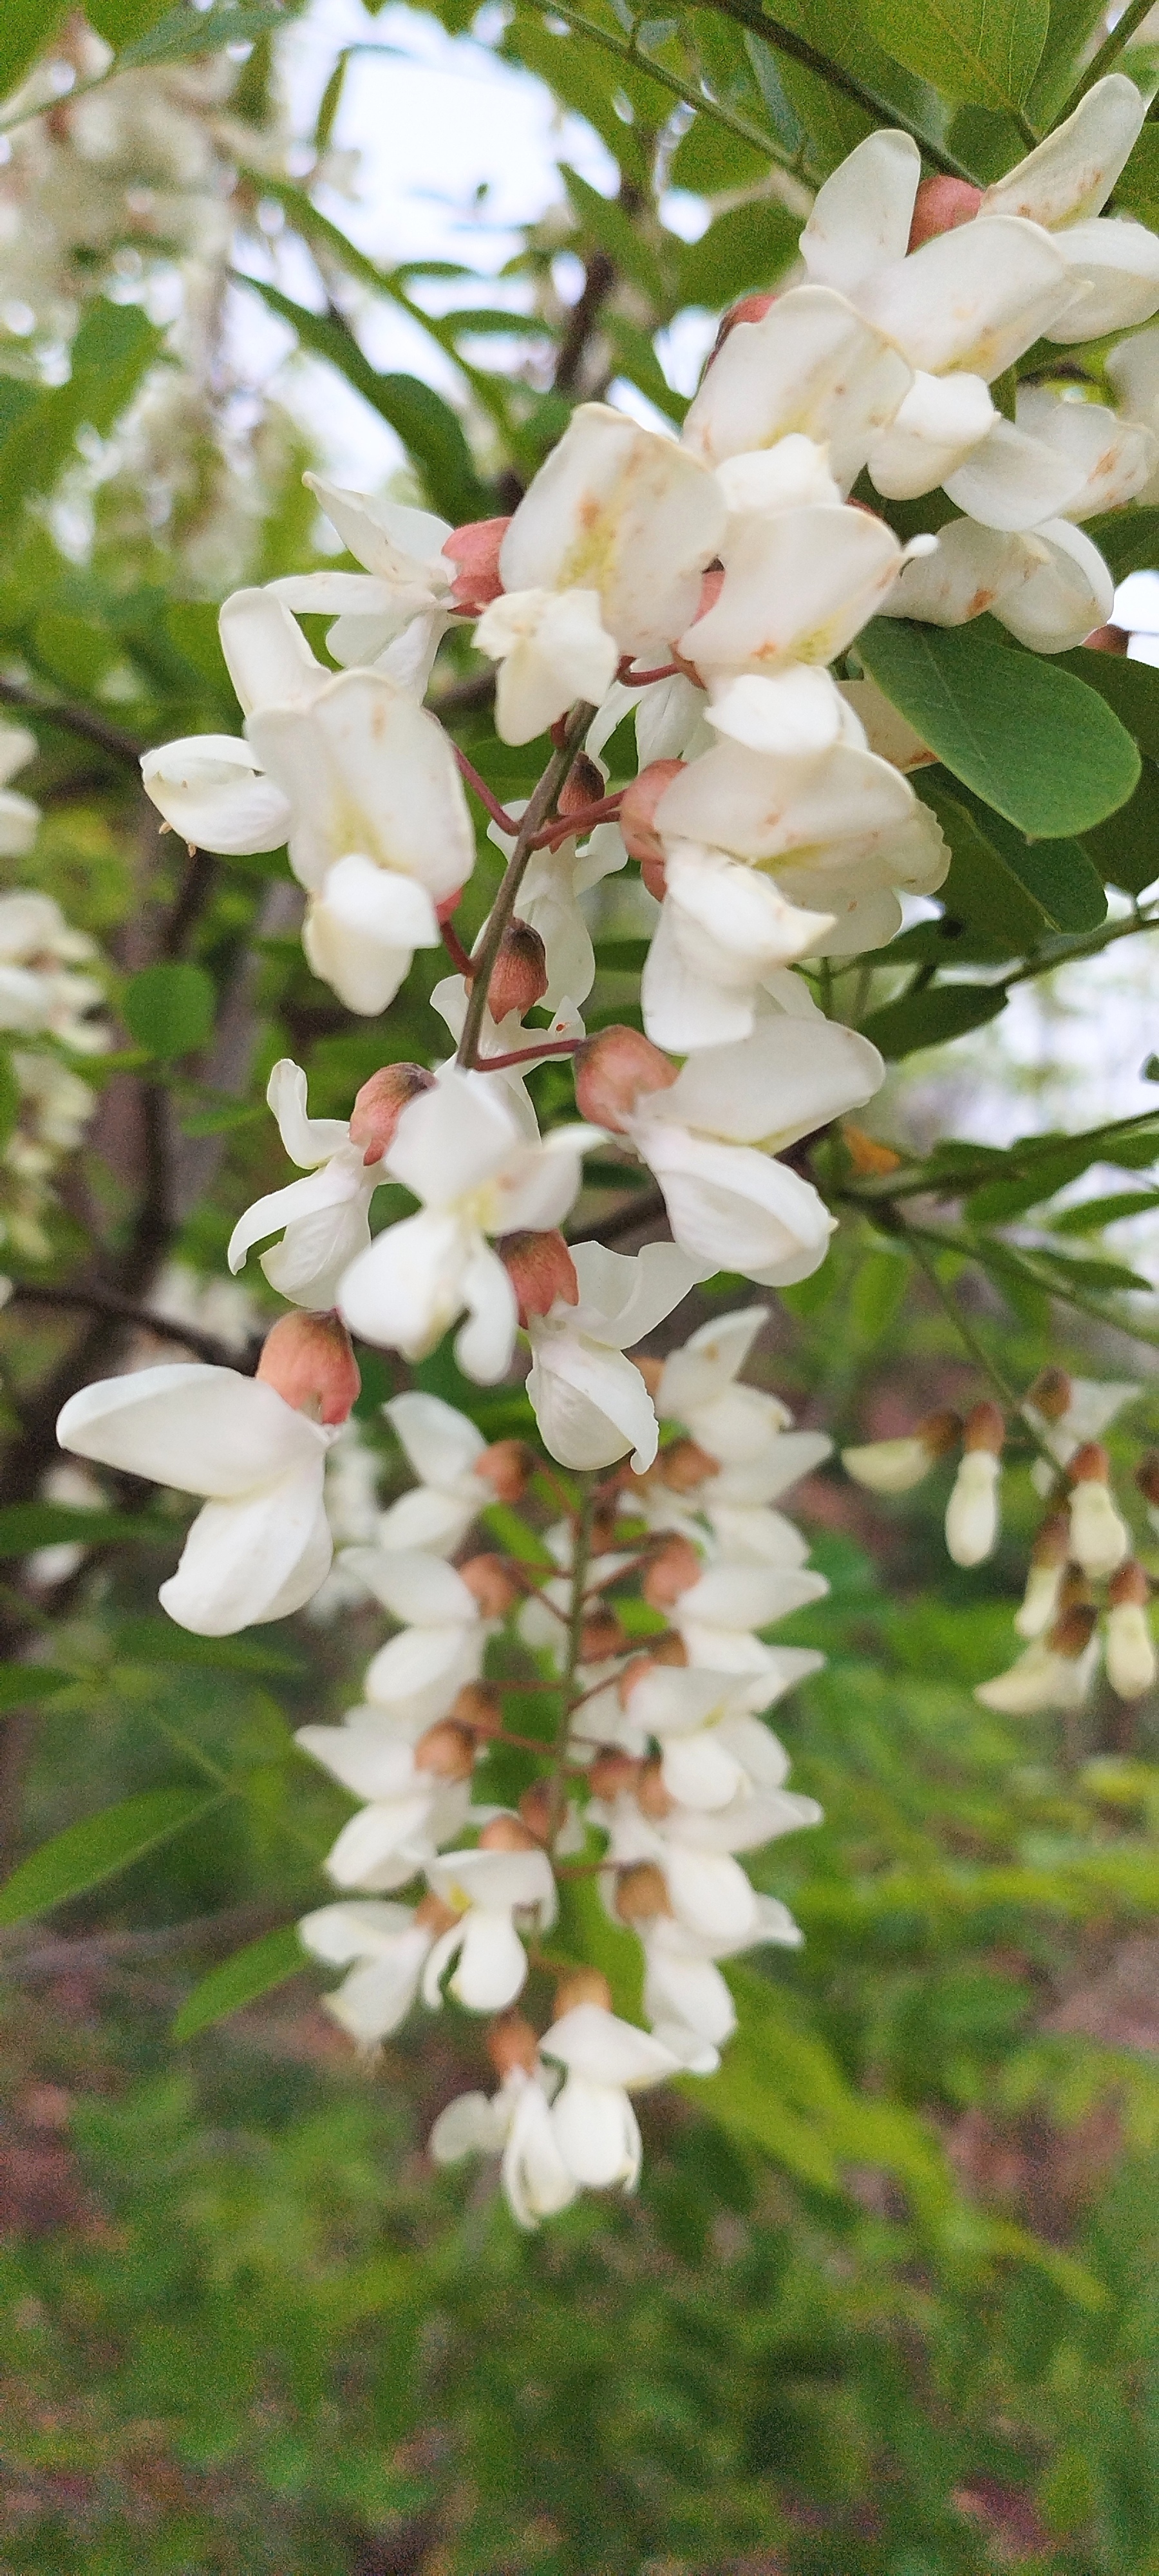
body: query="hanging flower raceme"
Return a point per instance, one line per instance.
(324, 1221)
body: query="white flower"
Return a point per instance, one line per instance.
(698, 1387)
(261, 1545)
(1099, 1537)
(1049, 587)
(415, 1677)
(1112, 265)
(713, 1750)
(715, 1619)
(1043, 1679)
(19, 817)
(622, 513)
(395, 614)
(212, 789)
(684, 1992)
(379, 831)
(591, 1404)
(444, 1448)
(811, 364)
(384, 1948)
(508, 1036)
(548, 902)
(39, 992)
(488, 1889)
(408, 1809)
(324, 1221)
(693, 1848)
(595, 2127)
(552, 650)
(1091, 1406)
(516, 2123)
(460, 1150)
(801, 576)
(972, 1510)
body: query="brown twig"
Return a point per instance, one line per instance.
(78, 720)
(121, 1310)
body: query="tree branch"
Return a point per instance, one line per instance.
(121, 1310)
(108, 737)
(884, 111)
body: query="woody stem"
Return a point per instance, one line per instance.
(541, 805)
(581, 1554)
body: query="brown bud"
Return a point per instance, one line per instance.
(1051, 1394)
(1052, 1545)
(509, 1834)
(1071, 1635)
(1128, 1583)
(1147, 1476)
(940, 206)
(380, 1104)
(637, 815)
(511, 2042)
(583, 1986)
(519, 975)
(603, 1532)
(984, 1428)
(535, 1809)
(1090, 1465)
(653, 1799)
(475, 548)
(601, 1636)
(433, 1916)
(748, 308)
(641, 1893)
(613, 1773)
(684, 1465)
(446, 1750)
(612, 1070)
(1074, 1591)
(668, 1648)
(1108, 639)
(478, 1707)
(540, 1269)
(582, 787)
(633, 1673)
(309, 1361)
(491, 1585)
(506, 1467)
(673, 1570)
(939, 1432)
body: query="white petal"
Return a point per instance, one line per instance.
(778, 1084)
(470, 2125)
(386, 536)
(739, 1209)
(200, 1430)
(430, 1520)
(1066, 595)
(1114, 268)
(800, 709)
(416, 1676)
(367, 771)
(597, 2134)
(256, 1559)
(419, 1589)
(268, 658)
(339, 1934)
(596, 2045)
(974, 569)
(1115, 458)
(210, 787)
(590, 1403)
(942, 420)
(407, 1288)
(492, 1967)
(861, 217)
(971, 299)
(1072, 173)
(452, 1138)
(535, 2178)
(621, 510)
(690, 1991)
(376, 1848)
(307, 1140)
(373, 2000)
(441, 1443)
(764, 809)
(797, 586)
(1013, 480)
(810, 364)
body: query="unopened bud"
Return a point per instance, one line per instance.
(1051, 1394)
(1099, 1538)
(972, 1510)
(582, 787)
(380, 1104)
(1147, 1477)
(506, 1466)
(583, 1986)
(478, 1707)
(475, 548)
(601, 1636)
(1129, 1583)
(984, 1428)
(309, 1361)
(674, 1569)
(507, 1833)
(433, 1916)
(1042, 1599)
(895, 1466)
(940, 206)
(1108, 639)
(540, 1269)
(637, 815)
(653, 1797)
(613, 1774)
(511, 2042)
(1052, 1545)
(535, 1809)
(519, 975)
(1130, 1647)
(642, 1893)
(1071, 1635)
(611, 1072)
(684, 1466)
(748, 308)
(447, 1751)
(491, 1584)
(1090, 1465)
(668, 1649)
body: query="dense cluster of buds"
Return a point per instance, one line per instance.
(1086, 1592)
(48, 1009)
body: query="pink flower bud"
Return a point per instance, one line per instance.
(479, 1708)
(309, 1361)
(519, 974)
(601, 1636)
(711, 585)
(433, 1916)
(641, 1893)
(507, 1833)
(475, 548)
(612, 1070)
(535, 1809)
(637, 816)
(380, 1104)
(749, 308)
(490, 1584)
(673, 1570)
(583, 786)
(612, 1772)
(1107, 639)
(653, 1798)
(447, 1751)
(1147, 1476)
(985, 1428)
(940, 206)
(540, 1269)
(583, 1986)
(511, 2042)
(685, 1465)
(1051, 1394)
(506, 1466)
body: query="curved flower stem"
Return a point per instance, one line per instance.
(498, 813)
(581, 1553)
(532, 821)
(529, 1055)
(568, 826)
(630, 679)
(458, 955)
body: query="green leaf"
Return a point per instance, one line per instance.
(220, 1121)
(639, 363)
(877, 1293)
(750, 246)
(251, 1972)
(987, 51)
(20, 1683)
(124, 22)
(1057, 875)
(1131, 688)
(159, 1641)
(932, 1018)
(111, 352)
(180, 36)
(1125, 848)
(1138, 188)
(192, 627)
(1094, 1214)
(24, 1526)
(9, 1098)
(1029, 739)
(26, 28)
(1128, 540)
(84, 1854)
(170, 1009)
(987, 913)
(712, 163)
(613, 231)
(430, 431)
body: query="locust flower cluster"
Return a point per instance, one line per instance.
(49, 1009)
(1087, 1594)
